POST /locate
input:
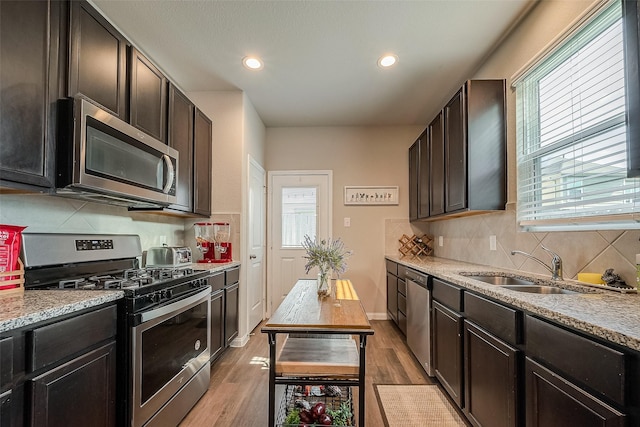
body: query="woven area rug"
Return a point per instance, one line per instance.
(417, 405)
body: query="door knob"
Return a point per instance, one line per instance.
(252, 257)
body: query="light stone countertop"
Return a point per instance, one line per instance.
(609, 315)
(38, 305)
(214, 266)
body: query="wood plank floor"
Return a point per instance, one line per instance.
(238, 394)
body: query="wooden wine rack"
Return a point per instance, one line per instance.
(416, 246)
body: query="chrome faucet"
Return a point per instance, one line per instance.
(556, 262)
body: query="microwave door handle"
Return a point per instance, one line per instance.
(170, 174)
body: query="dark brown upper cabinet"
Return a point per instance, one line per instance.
(147, 96)
(419, 178)
(436, 165)
(424, 174)
(414, 167)
(476, 148)
(32, 40)
(467, 152)
(455, 142)
(202, 164)
(98, 60)
(181, 119)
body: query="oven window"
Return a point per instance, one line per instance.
(169, 345)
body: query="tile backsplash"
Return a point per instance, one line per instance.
(467, 239)
(51, 214)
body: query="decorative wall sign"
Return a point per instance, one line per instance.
(371, 195)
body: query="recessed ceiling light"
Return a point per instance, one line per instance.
(252, 63)
(387, 61)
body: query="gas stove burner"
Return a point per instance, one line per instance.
(169, 273)
(132, 278)
(105, 282)
(76, 284)
(140, 275)
(129, 284)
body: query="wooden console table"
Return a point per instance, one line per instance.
(315, 350)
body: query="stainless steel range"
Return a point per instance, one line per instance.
(163, 336)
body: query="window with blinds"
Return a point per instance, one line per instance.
(571, 133)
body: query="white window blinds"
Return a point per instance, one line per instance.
(571, 133)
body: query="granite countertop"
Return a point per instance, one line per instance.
(607, 314)
(214, 266)
(38, 305)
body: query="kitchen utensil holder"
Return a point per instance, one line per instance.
(415, 246)
(14, 291)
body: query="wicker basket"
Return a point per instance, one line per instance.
(14, 290)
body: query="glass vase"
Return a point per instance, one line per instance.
(324, 283)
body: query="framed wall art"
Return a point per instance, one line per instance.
(358, 195)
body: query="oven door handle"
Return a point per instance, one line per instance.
(175, 307)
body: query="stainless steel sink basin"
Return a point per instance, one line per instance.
(518, 284)
(502, 280)
(536, 289)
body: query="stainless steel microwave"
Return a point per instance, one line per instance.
(102, 158)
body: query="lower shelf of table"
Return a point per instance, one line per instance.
(318, 357)
(336, 398)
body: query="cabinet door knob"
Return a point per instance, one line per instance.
(252, 257)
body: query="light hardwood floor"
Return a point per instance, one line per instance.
(238, 393)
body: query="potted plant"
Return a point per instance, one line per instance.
(329, 256)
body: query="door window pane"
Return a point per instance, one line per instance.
(299, 215)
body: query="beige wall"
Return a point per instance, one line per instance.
(365, 156)
(253, 131)
(467, 239)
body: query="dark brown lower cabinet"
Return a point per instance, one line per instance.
(402, 303)
(553, 401)
(392, 297)
(5, 408)
(490, 379)
(231, 313)
(447, 350)
(81, 392)
(217, 323)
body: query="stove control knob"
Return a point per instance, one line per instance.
(154, 297)
(168, 293)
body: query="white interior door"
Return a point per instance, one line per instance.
(300, 204)
(257, 244)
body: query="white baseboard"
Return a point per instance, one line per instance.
(239, 341)
(378, 316)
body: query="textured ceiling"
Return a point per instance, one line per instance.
(320, 56)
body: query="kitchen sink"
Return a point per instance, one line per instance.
(537, 289)
(502, 280)
(518, 284)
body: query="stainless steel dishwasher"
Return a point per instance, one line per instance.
(419, 318)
